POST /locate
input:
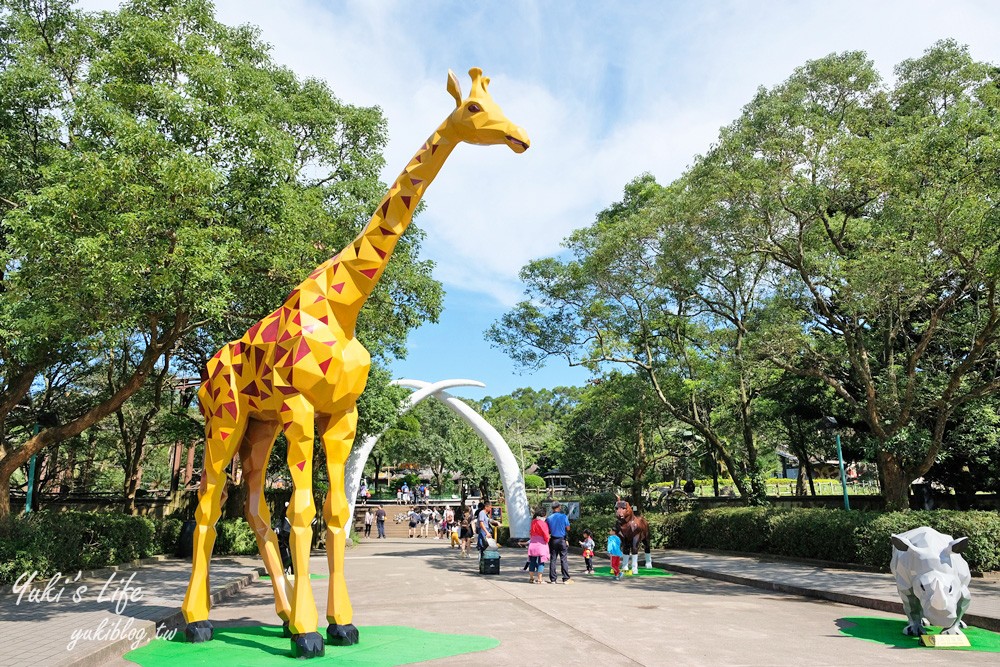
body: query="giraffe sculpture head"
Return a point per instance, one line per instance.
(478, 119)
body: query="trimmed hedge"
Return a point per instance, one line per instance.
(858, 538)
(50, 542)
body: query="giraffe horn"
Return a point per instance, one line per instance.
(454, 88)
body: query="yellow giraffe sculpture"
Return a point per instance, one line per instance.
(301, 370)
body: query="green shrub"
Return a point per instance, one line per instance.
(593, 504)
(234, 537)
(168, 532)
(534, 482)
(859, 538)
(51, 542)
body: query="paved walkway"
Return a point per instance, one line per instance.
(691, 619)
(873, 590)
(59, 630)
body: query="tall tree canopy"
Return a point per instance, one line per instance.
(162, 180)
(841, 229)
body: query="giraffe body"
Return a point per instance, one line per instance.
(300, 370)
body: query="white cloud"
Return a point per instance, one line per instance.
(605, 92)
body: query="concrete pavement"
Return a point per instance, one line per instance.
(692, 619)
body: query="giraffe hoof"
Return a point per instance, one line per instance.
(308, 645)
(199, 631)
(342, 635)
(285, 632)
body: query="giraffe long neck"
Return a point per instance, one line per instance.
(349, 278)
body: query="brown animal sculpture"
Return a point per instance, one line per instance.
(634, 531)
(300, 370)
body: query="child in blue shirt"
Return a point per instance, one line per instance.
(615, 551)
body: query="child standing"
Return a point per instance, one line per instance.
(615, 551)
(588, 550)
(538, 547)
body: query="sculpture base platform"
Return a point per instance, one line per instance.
(380, 646)
(889, 632)
(605, 571)
(944, 641)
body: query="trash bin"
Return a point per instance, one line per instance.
(185, 541)
(489, 562)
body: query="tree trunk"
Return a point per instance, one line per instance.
(51, 435)
(895, 485)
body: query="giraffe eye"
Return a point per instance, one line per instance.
(474, 108)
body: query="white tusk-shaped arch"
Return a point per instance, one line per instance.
(518, 510)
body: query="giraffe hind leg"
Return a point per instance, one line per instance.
(255, 452)
(337, 435)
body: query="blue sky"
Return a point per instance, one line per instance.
(605, 90)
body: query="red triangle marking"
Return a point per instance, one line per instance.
(416, 181)
(301, 465)
(325, 365)
(386, 232)
(331, 343)
(238, 368)
(285, 335)
(369, 272)
(381, 253)
(253, 331)
(385, 207)
(258, 355)
(320, 297)
(284, 406)
(237, 348)
(225, 435)
(338, 288)
(231, 409)
(325, 319)
(297, 319)
(434, 148)
(417, 158)
(270, 332)
(302, 351)
(406, 201)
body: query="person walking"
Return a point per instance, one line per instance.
(380, 522)
(538, 546)
(369, 518)
(465, 534)
(558, 546)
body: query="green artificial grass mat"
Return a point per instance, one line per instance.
(889, 632)
(605, 571)
(263, 646)
(265, 577)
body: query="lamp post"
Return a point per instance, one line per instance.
(830, 423)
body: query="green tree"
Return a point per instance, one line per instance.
(647, 288)
(618, 433)
(171, 183)
(875, 205)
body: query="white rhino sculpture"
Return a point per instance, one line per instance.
(932, 578)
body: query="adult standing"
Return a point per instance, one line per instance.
(380, 522)
(369, 518)
(484, 523)
(558, 544)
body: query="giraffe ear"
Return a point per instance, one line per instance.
(486, 82)
(454, 88)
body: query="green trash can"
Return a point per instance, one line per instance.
(489, 562)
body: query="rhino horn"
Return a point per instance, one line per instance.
(901, 543)
(959, 545)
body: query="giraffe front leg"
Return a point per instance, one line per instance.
(218, 453)
(298, 419)
(337, 434)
